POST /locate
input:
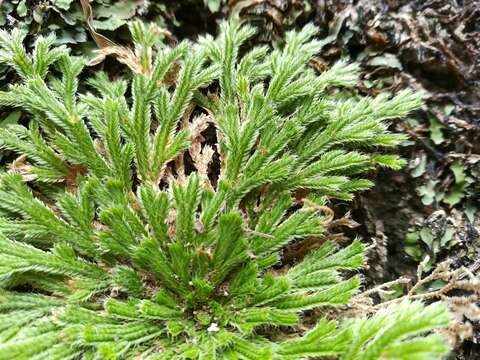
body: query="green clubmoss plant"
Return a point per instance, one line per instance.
(145, 218)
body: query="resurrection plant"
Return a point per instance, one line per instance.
(145, 218)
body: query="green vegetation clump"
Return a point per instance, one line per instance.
(146, 218)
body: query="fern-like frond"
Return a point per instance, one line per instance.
(146, 217)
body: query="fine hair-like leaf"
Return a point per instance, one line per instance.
(147, 217)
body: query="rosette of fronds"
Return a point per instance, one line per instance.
(145, 218)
